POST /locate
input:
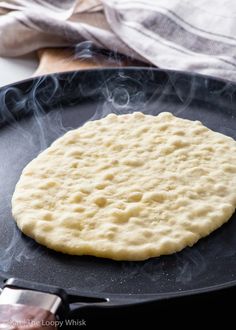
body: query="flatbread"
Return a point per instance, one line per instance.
(128, 187)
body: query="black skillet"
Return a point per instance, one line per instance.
(33, 113)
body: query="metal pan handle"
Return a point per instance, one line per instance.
(30, 305)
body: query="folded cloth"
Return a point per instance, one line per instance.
(197, 36)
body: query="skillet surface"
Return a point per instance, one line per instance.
(35, 112)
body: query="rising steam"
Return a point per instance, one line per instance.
(119, 93)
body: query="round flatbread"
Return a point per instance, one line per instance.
(128, 187)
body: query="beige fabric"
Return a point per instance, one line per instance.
(196, 36)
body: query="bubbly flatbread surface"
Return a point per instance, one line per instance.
(128, 187)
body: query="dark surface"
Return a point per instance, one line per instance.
(34, 113)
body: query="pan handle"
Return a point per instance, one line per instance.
(21, 317)
(27, 309)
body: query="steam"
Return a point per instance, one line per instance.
(17, 105)
(119, 93)
(19, 253)
(118, 99)
(33, 101)
(46, 127)
(84, 50)
(190, 265)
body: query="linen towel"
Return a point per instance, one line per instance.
(197, 36)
